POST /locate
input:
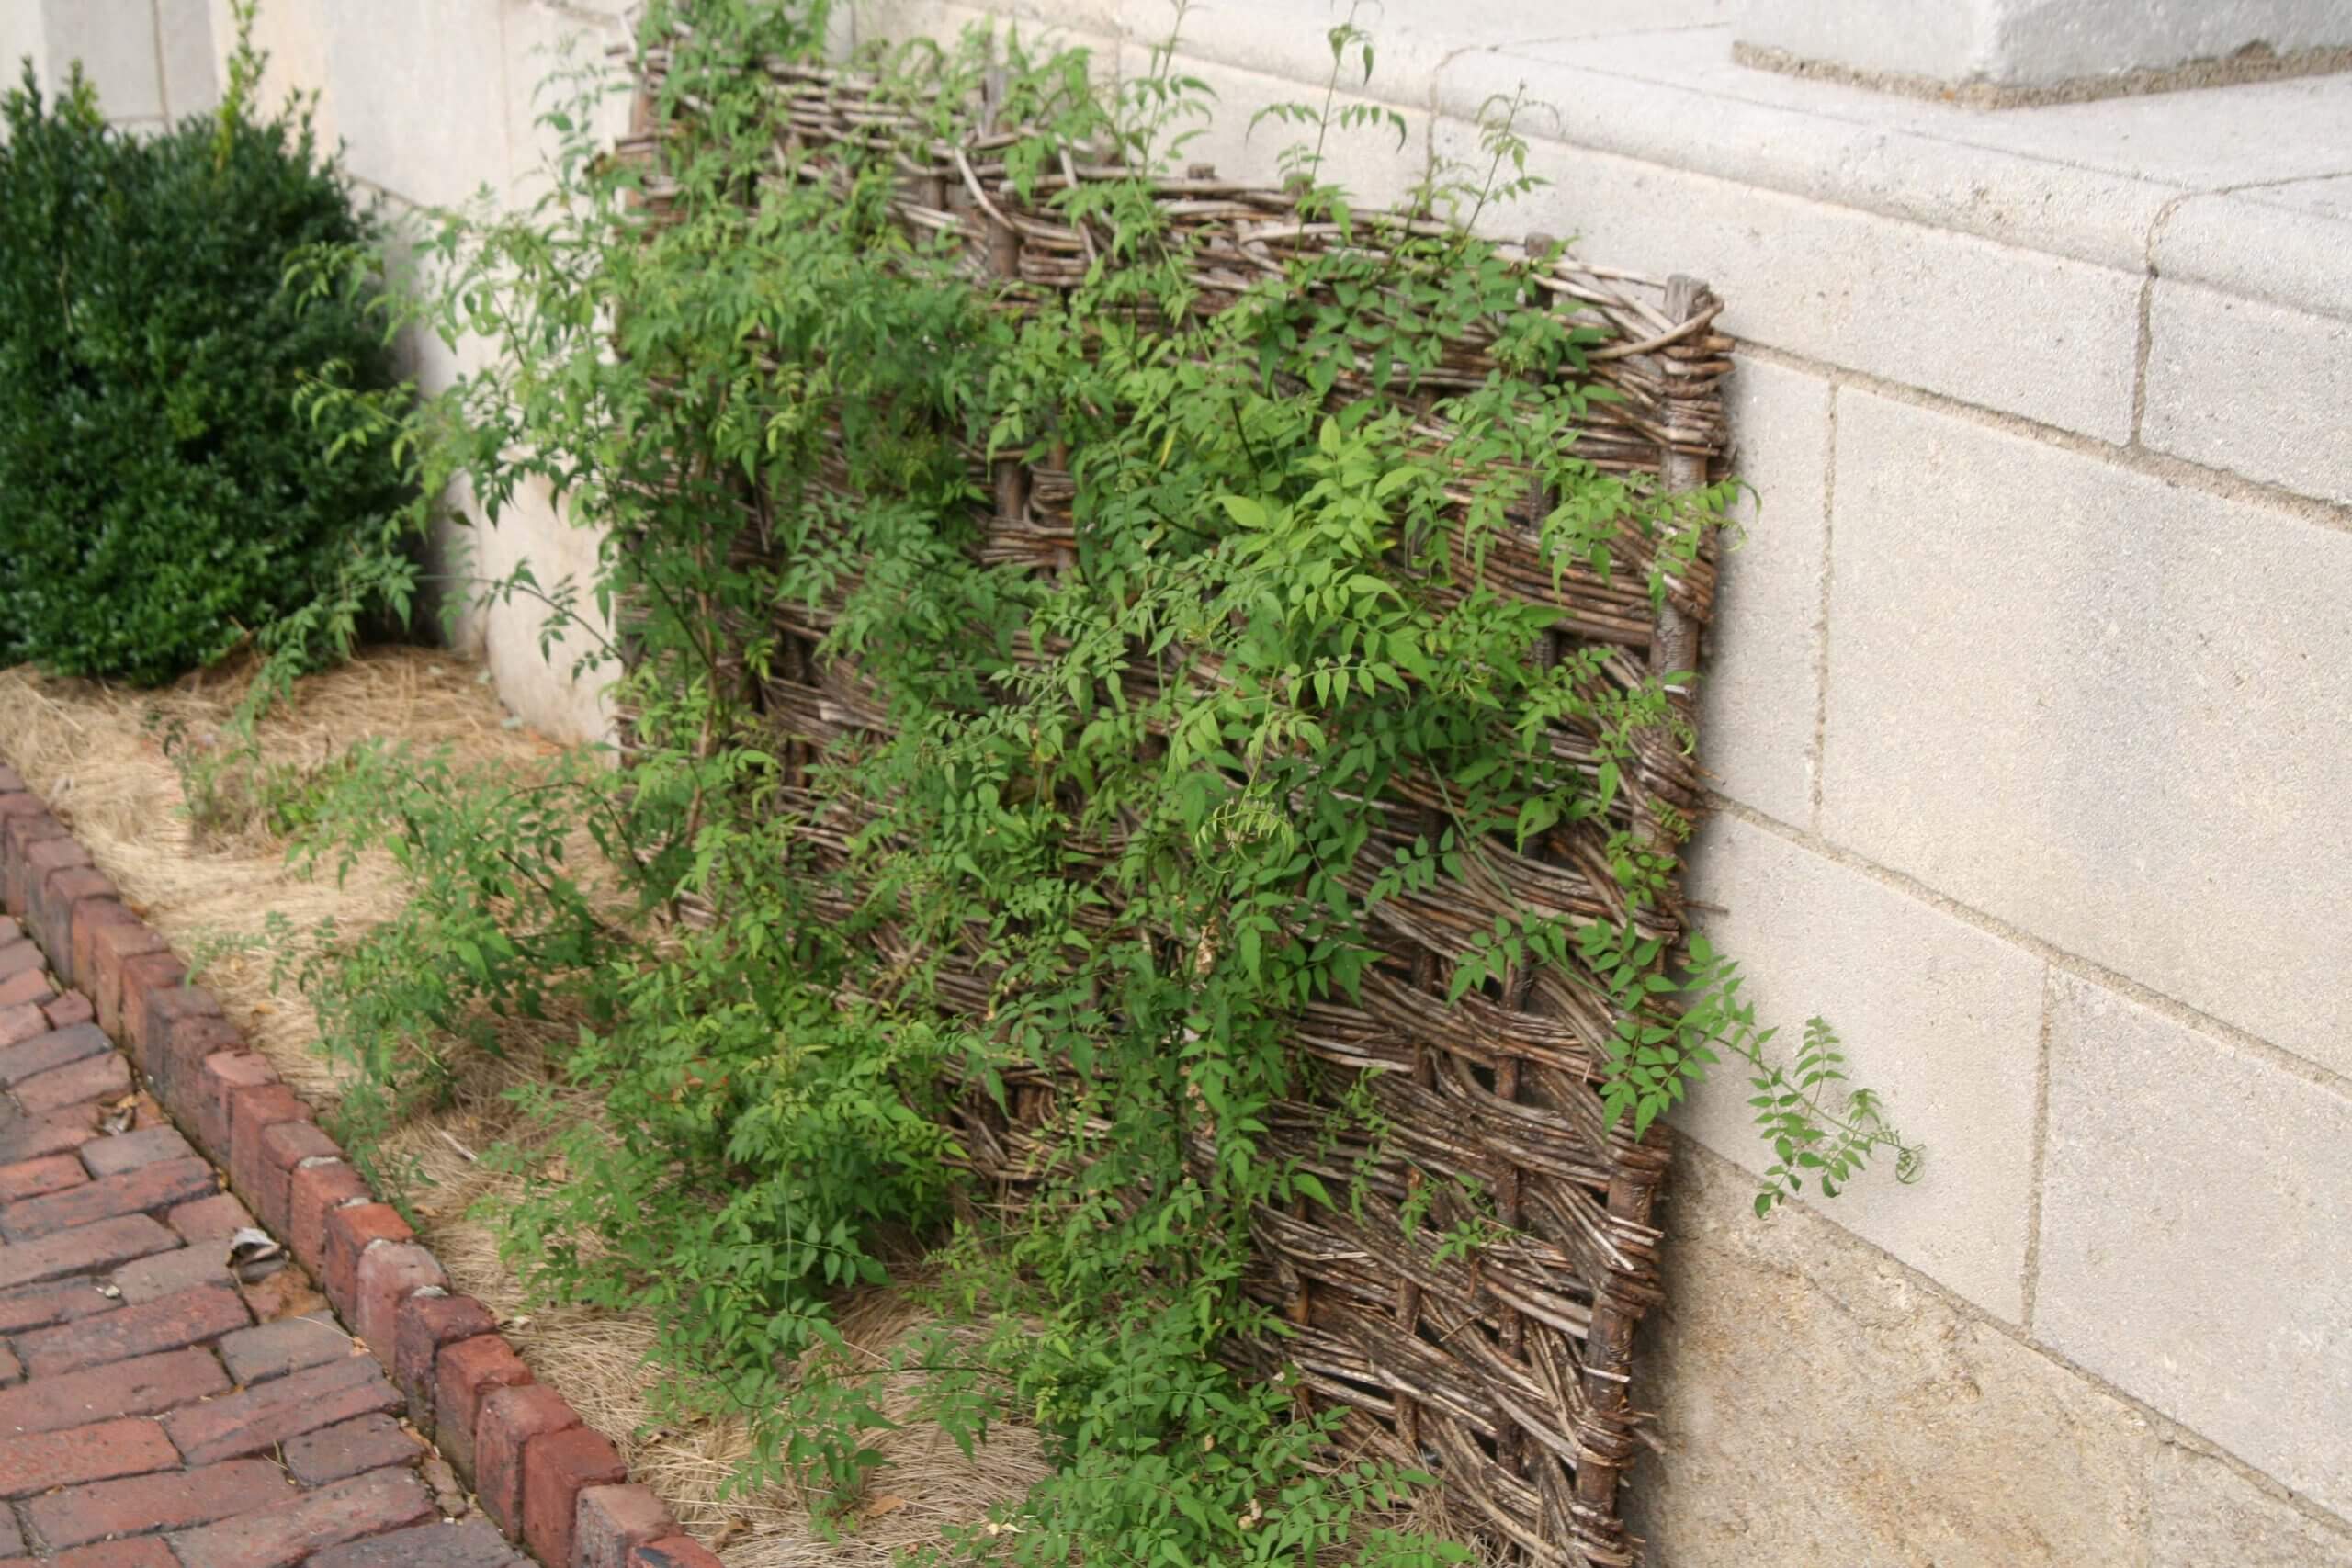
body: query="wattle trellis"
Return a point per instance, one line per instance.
(1510, 1372)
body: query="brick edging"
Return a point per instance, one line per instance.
(554, 1484)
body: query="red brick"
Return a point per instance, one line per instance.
(42, 851)
(209, 1219)
(389, 1275)
(104, 1077)
(615, 1520)
(675, 1552)
(83, 1251)
(224, 1072)
(129, 1151)
(102, 1451)
(133, 1192)
(112, 948)
(284, 1344)
(141, 977)
(52, 1048)
(470, 1543)
(464, 1375)
(185, 1317)
(22, 956)
(173, 1500)
(29, 989)
(153, 1022)
(146, 1551)
(33, 1306)
(20, 1022)
(422, 1325)
(350, 1232)
(147, 1386)
(11, 1370)
(284, 1535)
(178, 1069)
(23, 823)
(32, 1178)
(85, 957)
(556, 1469)
(164, 1274)
(254, 1109)
(348, 1447)
(56, 901)
(313, 1192)
(69, 1009)
(510, 1418)
(267, 1413)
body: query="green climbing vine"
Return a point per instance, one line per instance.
(759, 392)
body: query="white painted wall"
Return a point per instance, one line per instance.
(2030, 708)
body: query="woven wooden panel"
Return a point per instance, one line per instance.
(1508, 1374)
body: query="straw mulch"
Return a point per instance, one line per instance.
(97, 754)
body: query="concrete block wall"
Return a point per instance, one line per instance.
(2029, 709)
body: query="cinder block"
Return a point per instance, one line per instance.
(1760, 686)
(2197, 1203)
(1939, 1018)
(2253, 388)
(2098, 706)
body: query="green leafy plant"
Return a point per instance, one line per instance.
(161, 499)
(1107, 829)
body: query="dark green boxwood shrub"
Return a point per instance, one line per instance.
(162, 495)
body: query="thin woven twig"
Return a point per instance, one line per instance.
(1507, 1372)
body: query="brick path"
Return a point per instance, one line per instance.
(175, 1390)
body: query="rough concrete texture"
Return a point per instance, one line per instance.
(1759, 688)
(2202, 1512)
(1939, 1018)
(2037, 44)
(2250, 387)
(2043, 336)
(2102, 708)
(2197, 1236)
(1820, 1405)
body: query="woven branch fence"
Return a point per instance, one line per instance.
(1510, 1372)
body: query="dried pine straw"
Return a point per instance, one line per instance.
(96, 754)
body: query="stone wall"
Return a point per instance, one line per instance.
(2029, 707)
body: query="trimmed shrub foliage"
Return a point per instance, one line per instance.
(162, 496)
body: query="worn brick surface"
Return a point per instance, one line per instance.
(266, 1414)
(56, 902)
(424, 1323)
(129, 1151)
(264, 1161)
(21, 1015)
(145, 1386)
(29, 989)
(112, 947)
(613, 1521)
(32, 1178)
(351, 1231)
(49, 1134)
(46, 847)
(33, 1306)
(348, 1448)
(93, 1077)
(206, 1099)
(100, 1451)
(51, 1048)
(69, 1009)
(470, 1543)
(209, 1219)
(556, 1469)
(19, 957)
(161, 1274)
(82, 1251)
(281, 1536)
(144, 1551)
(178, 1069)
(273, 1350)
(313, 1192)
(172, 1500)
(84, 945)
(510, 1418)
(143, 980)
(390, 1273)
(185, 1317)
(464, 1376)
(159, 1186)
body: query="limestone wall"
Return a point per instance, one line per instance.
(2029, 705)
